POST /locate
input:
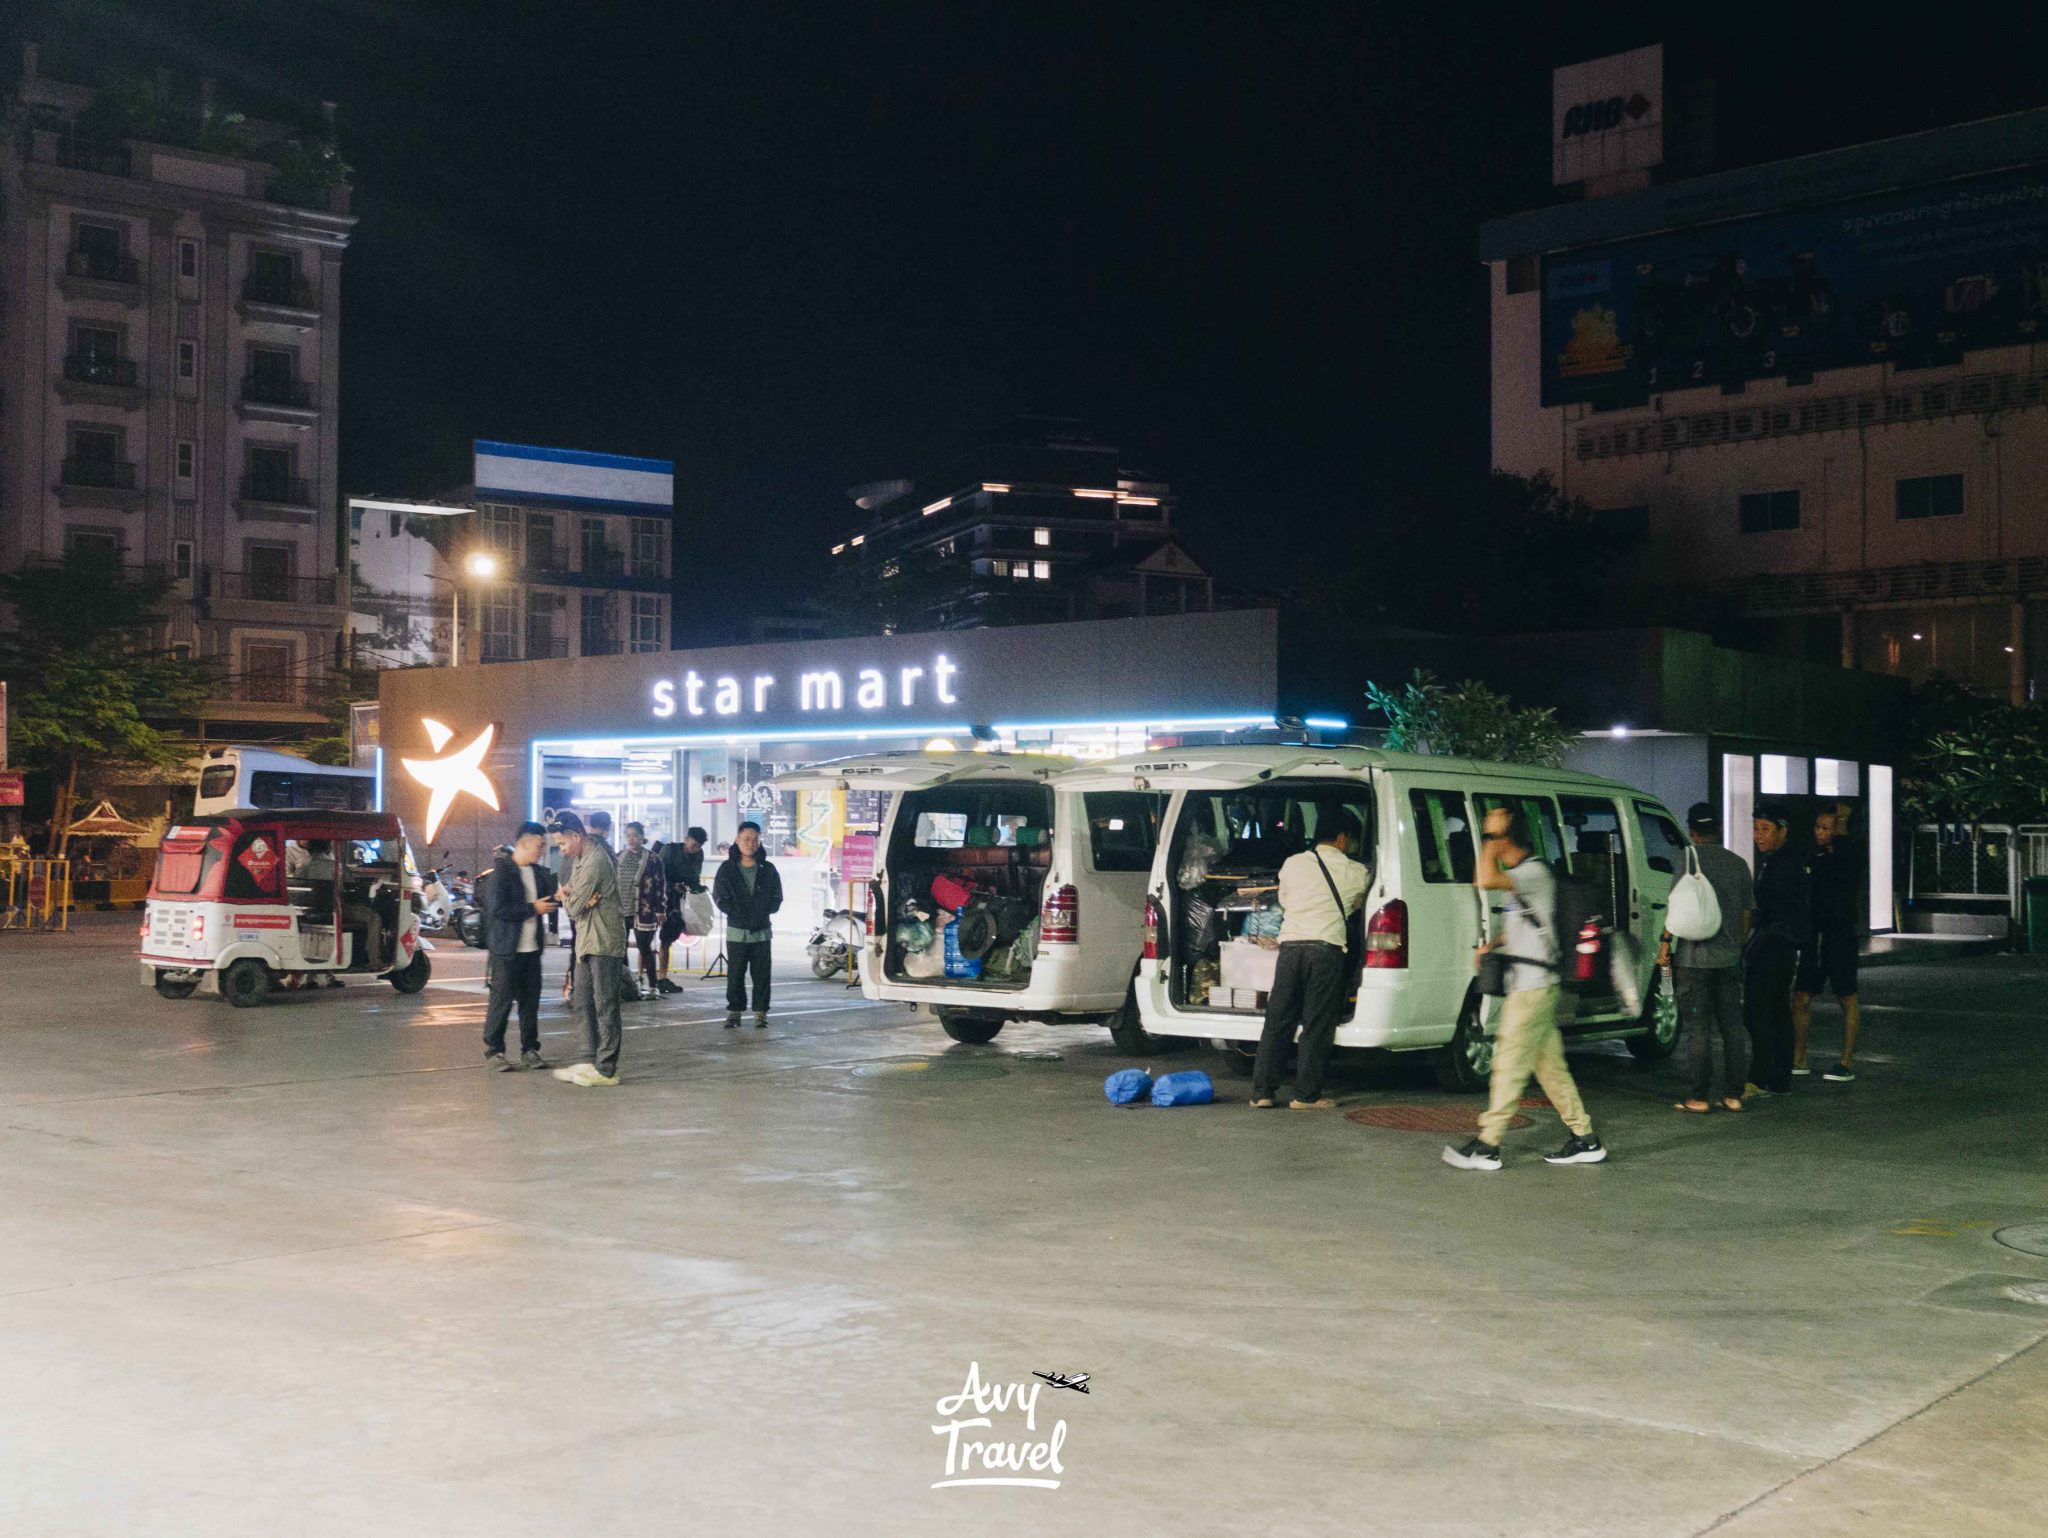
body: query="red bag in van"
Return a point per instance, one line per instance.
(949, 891)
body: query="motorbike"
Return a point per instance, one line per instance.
(435, 901)
(834, 943)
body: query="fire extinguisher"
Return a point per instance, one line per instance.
(1586, 961)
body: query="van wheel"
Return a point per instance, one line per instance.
(1129, 1033)
(175, 987)
(1466, 1062)
(413, 976)
(245, 983)
(972, 1026)
(1238, 1059)
(1659, 1037)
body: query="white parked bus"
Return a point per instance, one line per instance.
(260, 779)
(1233, 814)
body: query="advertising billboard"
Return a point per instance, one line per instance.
(1915, 278)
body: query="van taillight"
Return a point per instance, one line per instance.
(1060, 920)
(1386, 936)
(868, 917)
(198, 928)
(1151, 929)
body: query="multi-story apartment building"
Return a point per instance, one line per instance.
(580, 549)
(1816, 389)
(169, 335)
(1039, 521)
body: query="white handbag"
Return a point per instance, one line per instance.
(1694, 912)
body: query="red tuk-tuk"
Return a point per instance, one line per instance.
(250, 901)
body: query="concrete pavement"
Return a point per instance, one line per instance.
(308, 1267)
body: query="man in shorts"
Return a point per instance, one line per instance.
(1830, 961)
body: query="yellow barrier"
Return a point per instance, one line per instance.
(37, 894)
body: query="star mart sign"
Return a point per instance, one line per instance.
(821, 694)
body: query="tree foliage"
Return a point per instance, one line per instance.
(1975, 759)
(1467, 721)
(88, 679)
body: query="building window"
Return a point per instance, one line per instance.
(267, 672)
(647, 623)
(598, 559)
(269, 575)
(598, 639)
(267, 472)
(187, 458)
(188, 259)
(1521, 274)
(501, 529)
(100, 251)
(1021, 570)
(1041, 536)
(1042, 570)
(999, 568)
(181, 560)
(1768, 512)
(97, 545)
(274, 278)
(94, 458)
(181, 651)
(541, 554)
(501, 626)
(188, 360)
(647, 548)
(1930, 496)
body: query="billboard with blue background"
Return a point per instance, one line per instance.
(1915, 278)
(524, 472)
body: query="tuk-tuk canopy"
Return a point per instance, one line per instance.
(297, 826)
(104, 822)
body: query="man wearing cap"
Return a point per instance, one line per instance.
(1706, 975)
(1783, 928)
(591, 899)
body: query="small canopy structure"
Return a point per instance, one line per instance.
(104, 822)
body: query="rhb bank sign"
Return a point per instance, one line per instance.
(826, 694)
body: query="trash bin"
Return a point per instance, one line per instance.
(2035, 900)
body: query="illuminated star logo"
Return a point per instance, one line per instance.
(449, 777)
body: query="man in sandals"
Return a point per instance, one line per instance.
(1320, 889)
(1528, 1041)
(1706, 975)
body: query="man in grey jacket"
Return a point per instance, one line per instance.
(591, 899)
(1706, 975)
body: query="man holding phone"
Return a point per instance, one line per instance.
(519, 894)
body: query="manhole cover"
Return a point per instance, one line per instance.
(925, 1069)
(2027, 1238)
(1422, 1118)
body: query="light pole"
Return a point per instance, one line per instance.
(480, 566)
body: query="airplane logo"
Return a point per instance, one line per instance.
(449, 777)
(1077, 1381)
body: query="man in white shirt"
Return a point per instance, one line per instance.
(1320, 889)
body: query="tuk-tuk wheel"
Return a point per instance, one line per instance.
(245, 983)
(413, 976)
(174, 987)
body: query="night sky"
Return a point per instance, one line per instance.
(794, 247)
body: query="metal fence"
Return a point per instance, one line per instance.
(34, 894)
(1987, 864)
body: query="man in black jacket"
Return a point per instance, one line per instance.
(1783, 927)
(519, 894)
(682, 861)
(748, 891)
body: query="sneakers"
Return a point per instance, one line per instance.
(1475, 1155)
(1801, 1071)
(1324, 1103)
(760, 1022)
(586, 1076)
(1755, 1092)
(496, 1062)
(732, 1021)
(1841, 1073)
(1579, 1150)
(663, 986)
(1262, 1103)
(574, 1072)
(532, 1060)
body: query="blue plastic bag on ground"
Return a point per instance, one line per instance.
(1127, 1085)
(1190, 1088)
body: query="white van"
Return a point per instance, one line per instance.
(1235, 813)
(1058, 879)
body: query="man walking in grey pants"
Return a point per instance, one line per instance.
(591, 899)
(1706, 975)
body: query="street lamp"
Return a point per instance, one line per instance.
(479, 566)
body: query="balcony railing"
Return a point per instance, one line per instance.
(98, 369)
(102, 268)
(110, 474)
(266, 391)
(272, 587)
(289, 293)
(277, 488)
